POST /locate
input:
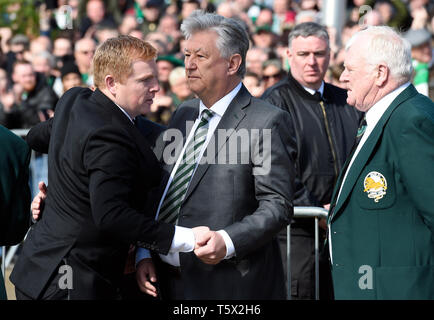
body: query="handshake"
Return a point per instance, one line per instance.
(210, 246)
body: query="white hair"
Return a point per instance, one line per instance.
(384, 45)
(232, 34)
(307, 16)
(47, 56)
(176, 74)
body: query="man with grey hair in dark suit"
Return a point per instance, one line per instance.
(244, 201)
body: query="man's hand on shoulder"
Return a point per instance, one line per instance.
(37, 205)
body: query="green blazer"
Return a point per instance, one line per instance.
(382, 227)
(14, 191)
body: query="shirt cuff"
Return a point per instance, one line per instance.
(142, 253)
(183, 240)
(230, 249)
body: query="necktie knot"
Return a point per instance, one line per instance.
(317, 96)
(206, 115)
(362, 127)
(178, 188)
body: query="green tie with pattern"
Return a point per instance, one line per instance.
(360, 131)
(178, 188)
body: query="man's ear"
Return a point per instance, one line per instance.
(382, 75)
(234, 63)
(110, 84)
(288, 52)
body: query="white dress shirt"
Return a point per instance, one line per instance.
(373, 115)
(312, 91)
(183, 239)
(124, 112)
(219, 108)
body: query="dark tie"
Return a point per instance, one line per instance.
(317, 96)
(360, 131)
(179, 185)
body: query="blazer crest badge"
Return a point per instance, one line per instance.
(375, 185)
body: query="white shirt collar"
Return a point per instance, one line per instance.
(377, 110)
(220, 106)
(128, 116)
(312, 91)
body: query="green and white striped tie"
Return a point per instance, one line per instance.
(178, 188)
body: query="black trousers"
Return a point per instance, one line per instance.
(52, 290)
(130, 290)
(303, 264)
(170, 284)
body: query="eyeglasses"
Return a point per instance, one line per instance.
(86, 52)
(274, 76)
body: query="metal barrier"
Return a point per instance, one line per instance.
(305, 212)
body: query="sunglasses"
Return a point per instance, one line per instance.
(86, 52)
(274, 76)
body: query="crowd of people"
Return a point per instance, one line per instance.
(60, 57)
(229, 71)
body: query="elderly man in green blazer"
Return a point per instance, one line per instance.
(14, 192)
(381, 221)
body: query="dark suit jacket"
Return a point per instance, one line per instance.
(14, 191)
(382, 229)
(324, 139)
(250, 206)
(100, 171)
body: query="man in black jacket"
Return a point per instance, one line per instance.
(325, 128)
(102, 170)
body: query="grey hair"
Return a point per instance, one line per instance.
(308, 29)
(386, 46)
(176, 74)
(232, 35)
(48, 56)
(312, 14)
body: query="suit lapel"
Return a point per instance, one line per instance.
(366, 151)
(182, 121)
(230, 120)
